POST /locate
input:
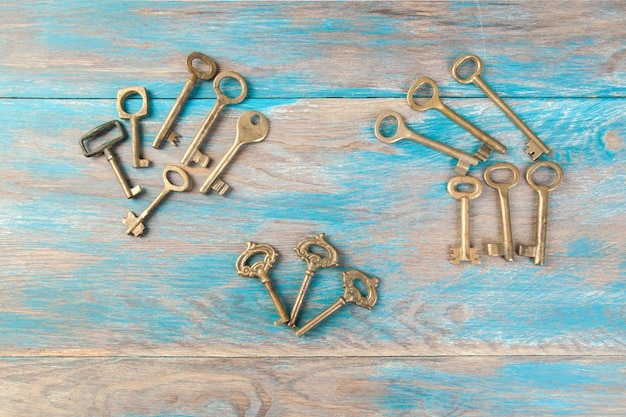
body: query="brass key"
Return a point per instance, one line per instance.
(135, 224)
(252, 127)
(539, 250)
(138, 162)
(464, 253)
(505, 247)
(195, 74)
(313, 262)
(260, 269)
(403, 132)
(351, 295)
(489, 143)
(535, 147)
(193, 152)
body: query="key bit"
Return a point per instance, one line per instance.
(173, 138)
(464, 253)
(132, 220)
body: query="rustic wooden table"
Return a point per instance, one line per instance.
(97, 323)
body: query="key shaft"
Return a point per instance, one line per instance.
(321, 316)
(129, 191)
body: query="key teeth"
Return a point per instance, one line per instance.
(456, 258)
(173, 138)
(528, 251)
(220, 187)
(474, 255)
(533, 150)
(201, 159)
(484, 152)
(129, 220)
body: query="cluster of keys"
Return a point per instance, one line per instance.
(252, 127)
(260, 269)
(535, 148)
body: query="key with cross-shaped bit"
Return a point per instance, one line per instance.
(403, 132)
(465, 252)
(252, 127)
(135, 224)
(351, 294)
(166, 132)
(261, 269)
(193, 152)
(489, 143)
(539, 250)
(313, 262)
(535, 147)
(122, 95)
(106, 149)
(505, 247)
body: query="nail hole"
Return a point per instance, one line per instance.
(255, 119)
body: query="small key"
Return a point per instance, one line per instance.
(252, 127)
(193, 152)
(313, 262)
(351, 295)
(489, 143)
(504, 248)
(539, 250)
(124, 93)
(135, 224)
(535, 147)
(403, 132)
(464, 253)
(195, 74)
(260, 269)
(105, 149)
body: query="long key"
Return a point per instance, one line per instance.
(138, 162)
(535, 147)
(489, 143)
(106, 149)
(193, 152)
(403, 132)
(313, 262)
(260, 269)
(252, 127)
(195, 74)
(135, 224)
(505, 247)
(539, 250)
(464, 253)
(351, 295)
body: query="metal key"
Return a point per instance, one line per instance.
(539, 250)
(403, 132)
(260, 269)
(193, 152)
(135, 224)
(535, 147)
(195, 74)
(313, 262)
(252, 127)
(504, 248)
(105, 149)
(351, 295)
(489, 143)
(138, 162)
(464, 253)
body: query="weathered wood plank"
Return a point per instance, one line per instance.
(313, 49)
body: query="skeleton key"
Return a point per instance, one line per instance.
(505, 247)
(464, 253)
(535, 147)
(252, 127)
(313, 262)
(539, 250)
(193, 152)
(261, 270)
(195, 74)
(105, 148)
(403, 132)
(489, 143)
(135, 224)
(138, 162)
(351, 295)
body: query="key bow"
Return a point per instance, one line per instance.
(259, 269)
(353, 295)
(313, 260)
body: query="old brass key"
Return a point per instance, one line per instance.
(195, 74)
(505, 247)
(351, 295)
(465, 252)
(535, 147)
(122, 95)
(539, 250)
(260, 269)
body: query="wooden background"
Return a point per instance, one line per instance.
(97, 323)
